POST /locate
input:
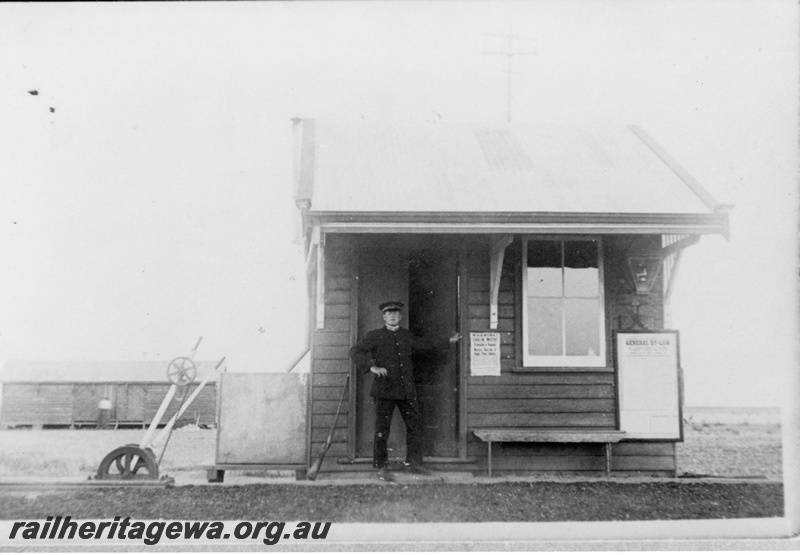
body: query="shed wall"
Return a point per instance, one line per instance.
(36, 404)
(552, 398)
(583, 399)
(69, 404)
(203, 409)
(330, 355)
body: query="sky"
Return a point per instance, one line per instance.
(146, 194)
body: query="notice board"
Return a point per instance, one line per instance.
(648, 373)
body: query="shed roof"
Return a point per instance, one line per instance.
(366, 167)
(19, 371)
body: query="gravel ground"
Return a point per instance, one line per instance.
(77, 453)
(731, 451)
(708, 450)
(432, 502)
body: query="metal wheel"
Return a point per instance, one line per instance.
(119, 464)
(181, 371)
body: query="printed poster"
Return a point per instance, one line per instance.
(649, 400)
(484, 354)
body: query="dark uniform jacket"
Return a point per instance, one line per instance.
(392, 350)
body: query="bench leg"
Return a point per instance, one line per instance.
(490, 459)
(215, 475)
(674, 461)
(608, 460)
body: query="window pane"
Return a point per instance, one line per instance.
(544, 327)
(583, 327)
(544, 282)
(581, 274)
(544, 269)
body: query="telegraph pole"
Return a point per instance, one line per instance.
(511, 50)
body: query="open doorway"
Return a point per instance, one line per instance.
(426, 280)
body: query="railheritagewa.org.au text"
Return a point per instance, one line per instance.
(153, 532)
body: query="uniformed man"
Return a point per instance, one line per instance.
(386, 353)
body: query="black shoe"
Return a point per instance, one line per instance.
(419, 469)
(385, 474)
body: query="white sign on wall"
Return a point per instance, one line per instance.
(649, 387)
(484, 354)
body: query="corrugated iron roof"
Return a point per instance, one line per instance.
(366, 166)
(17, 371)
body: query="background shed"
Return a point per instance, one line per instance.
(68, 393)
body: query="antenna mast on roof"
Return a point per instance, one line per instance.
(511, 51)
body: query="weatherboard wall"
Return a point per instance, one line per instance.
(519, 397)
(573, 398)
(76, 404)
(330, 358)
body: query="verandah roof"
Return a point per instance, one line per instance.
(360, 172)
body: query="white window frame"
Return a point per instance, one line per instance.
(566, 361)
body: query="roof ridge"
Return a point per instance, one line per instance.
(693, 184)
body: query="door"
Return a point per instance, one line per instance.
(86, 402)
(130, 403)
(433, 314)
(426, 280)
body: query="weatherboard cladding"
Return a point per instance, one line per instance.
(583, 399)
(203, 409)
(368, 166)
(516, 399)
(330, 359)
(36, 404)
(66, 393)
(67, 404)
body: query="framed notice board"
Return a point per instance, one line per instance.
(649, 382)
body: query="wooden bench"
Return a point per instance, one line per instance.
(543, 435)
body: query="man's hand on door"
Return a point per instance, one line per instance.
(381, 372)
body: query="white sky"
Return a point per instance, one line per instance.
(154, 205)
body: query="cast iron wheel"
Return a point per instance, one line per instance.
(181, 371)
(119, 465)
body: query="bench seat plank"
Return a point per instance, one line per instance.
(545, 436)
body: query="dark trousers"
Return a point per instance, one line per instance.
(409, 410)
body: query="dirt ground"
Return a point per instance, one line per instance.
(708, 450)
(430, 502)
(731, 451)
(77, 453)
